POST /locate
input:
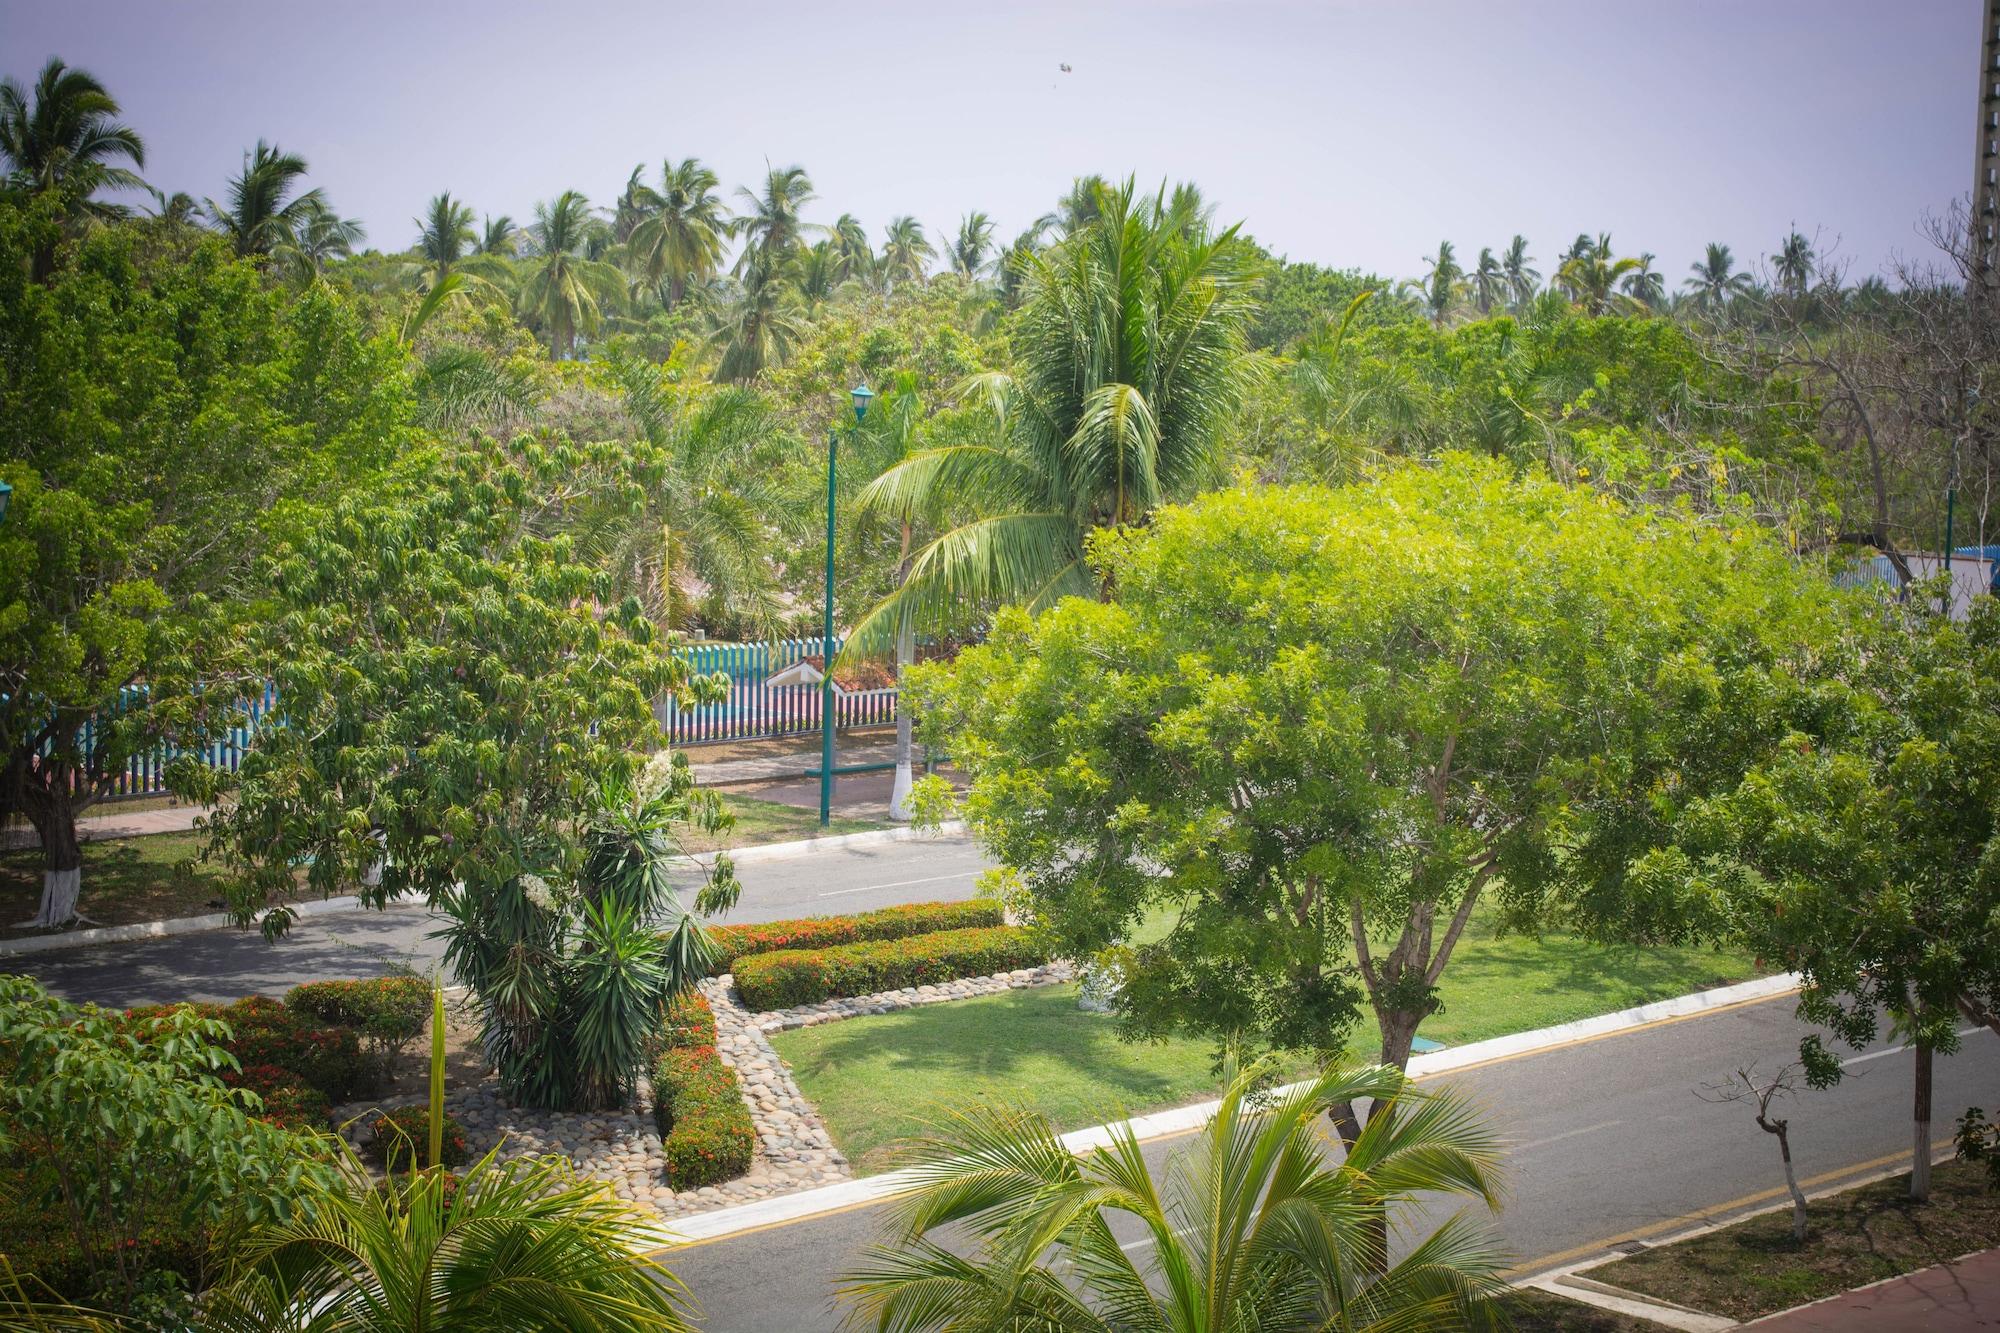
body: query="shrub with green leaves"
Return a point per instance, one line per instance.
(820, 932)
(124, 1133)
(388, 1012)
(401, 1138)
(690, 1022)
(283, 1097)
(261, 1031)
(806, 976)
(705, 1127)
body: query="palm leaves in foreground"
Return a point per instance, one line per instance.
(521, 1245)
(1257, 1225)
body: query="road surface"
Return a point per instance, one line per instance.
(227, 964)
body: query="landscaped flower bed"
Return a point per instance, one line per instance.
(819, 932)
(705, 1128)
(287, 1100)
(792, 977)
(325, 1057)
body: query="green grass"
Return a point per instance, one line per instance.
(759, 821)
(877, 1080)
(124, 880)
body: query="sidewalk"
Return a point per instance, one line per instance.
(1956, 1297)
(774, 767)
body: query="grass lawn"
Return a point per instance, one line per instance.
(1532, 1310)
(124, 880)
(880, 1079)
(759, 821)
(1860, 1236)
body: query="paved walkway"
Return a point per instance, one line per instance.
(1949, 1298)
(719, 773)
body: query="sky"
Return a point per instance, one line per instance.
(1348, 134)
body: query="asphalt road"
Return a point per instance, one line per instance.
(1609, 1142)
(227, 964)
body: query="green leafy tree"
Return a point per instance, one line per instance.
(262, 213)
(1860, 851)
(520, 1244)
(1593, 276)
(452, 686)
(63, 138)
(320, 237)
(567, 291)
(1129, 353)
(161, 407)
(760, 330)
(678, 239)
(1320, 727)
(1253, 1226)
(125, 1131)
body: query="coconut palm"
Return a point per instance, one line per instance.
(1441, 286)
(759, 329)
(179, 208)
(262, 213)
(1715, 281)
(1013, 263)
(318, 237)
(972, 252)
(1489, 282)
(1793, 263)
(1256, 1225)
(905, 251)
(567, 291)
(63, 136)
(773, 228)
(521, 1244)
(678, 238)
(445, 234)
(1593, 275)
(1645, 284)
(1130, 352)
(854, 254)
(500, 237)
(1077, 209)
(1522, 279)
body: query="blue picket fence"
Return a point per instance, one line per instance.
(145, 773)
(756, 709)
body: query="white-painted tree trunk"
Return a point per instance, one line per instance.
(899, 794)
(60, 891)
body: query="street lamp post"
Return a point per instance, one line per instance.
(860, 395)
(6, 494)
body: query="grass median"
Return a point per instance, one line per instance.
(881, 1079)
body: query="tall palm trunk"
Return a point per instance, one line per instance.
(906, 653)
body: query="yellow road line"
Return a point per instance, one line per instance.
(1689, 1220)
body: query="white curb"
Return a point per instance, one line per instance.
(1183, 1119)
(188, 925)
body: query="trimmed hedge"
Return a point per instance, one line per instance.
(807, 976)
(822, 932)
(265, 1032)
(389, 1011)
(705, 1127)
(402, 1137)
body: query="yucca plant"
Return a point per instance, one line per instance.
(521, 1245)
(572, 974)
(1261, 1225)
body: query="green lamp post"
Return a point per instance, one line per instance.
(861, 394)
(6, 494)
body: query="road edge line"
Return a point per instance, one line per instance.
(783, 1209)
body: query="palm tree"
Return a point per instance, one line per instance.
(1593, 275)
(179, 208)
(773, 228)
(318, 237)
(445, 234)
(1794, 262)
(567, 291)
(1522, 280)
(1715, 282)
(521, 1244)
(759, 330)
(678, 239)
(1130, 352)
(1013, 263)
(973, 250)
(854, 254)
(1441, 287)
(1645, 284)
(905, 251)
(62, 138)
(1489, 282)
(1254, 1226)
(1077, 209)
(259, 217)
(500, 237)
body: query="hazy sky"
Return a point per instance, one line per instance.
(1348, 134)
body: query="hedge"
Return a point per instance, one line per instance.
(705, 1128)
(288, 1100)
(389, 1011)
(265, 1032)
(821, 932)
(807, 976)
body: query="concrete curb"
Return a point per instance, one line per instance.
(1184, 1119)
(188, 925)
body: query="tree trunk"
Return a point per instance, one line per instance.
(1782, 1129)
(1920, 1143)
(53, 813)
(899, 795)
(1399, 1034)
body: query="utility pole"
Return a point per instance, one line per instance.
(1985, 206)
